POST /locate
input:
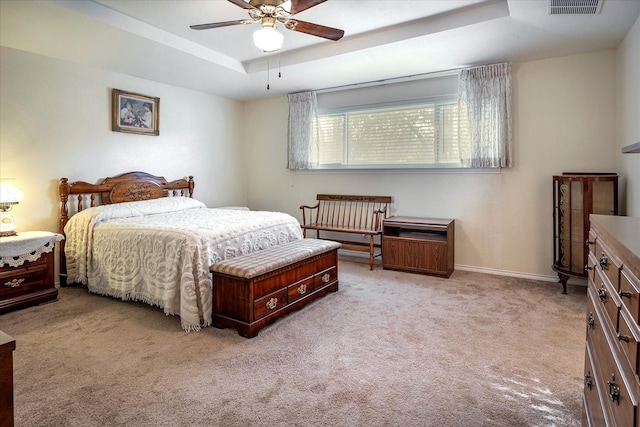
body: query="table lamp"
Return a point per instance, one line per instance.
(9, 196)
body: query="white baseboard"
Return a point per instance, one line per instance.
(484, 270)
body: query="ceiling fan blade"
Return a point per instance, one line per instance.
(298, 6)
(221, 24)
(243, 4)
(314, 29)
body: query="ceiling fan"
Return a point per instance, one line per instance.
(270, 12)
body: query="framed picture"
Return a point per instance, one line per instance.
(135, 113)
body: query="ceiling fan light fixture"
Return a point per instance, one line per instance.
(268, 39)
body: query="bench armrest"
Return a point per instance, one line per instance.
(378, 216)
(305, 209)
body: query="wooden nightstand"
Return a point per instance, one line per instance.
(27, 274)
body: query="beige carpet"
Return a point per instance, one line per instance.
(388, 349)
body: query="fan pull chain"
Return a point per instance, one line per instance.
(279, 74)
(268, 75)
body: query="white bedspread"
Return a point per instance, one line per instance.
(159, 251)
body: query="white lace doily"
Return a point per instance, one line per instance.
(26, 246)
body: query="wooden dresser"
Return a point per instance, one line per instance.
(612, 351)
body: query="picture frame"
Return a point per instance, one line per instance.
(135, 113)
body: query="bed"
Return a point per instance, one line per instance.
(139, 237)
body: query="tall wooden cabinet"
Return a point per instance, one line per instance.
(575, 197)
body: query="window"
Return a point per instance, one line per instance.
(416, 134)
(428, 123)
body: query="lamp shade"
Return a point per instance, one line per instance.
(8, 193)
(268, 39)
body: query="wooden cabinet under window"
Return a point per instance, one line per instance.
(575, 197)
(418, 245)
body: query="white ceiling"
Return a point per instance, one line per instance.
(383, 39)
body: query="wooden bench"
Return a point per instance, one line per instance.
(250, 291)
(348, 214)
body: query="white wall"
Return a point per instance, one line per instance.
(55, 121)
(628, 119)
(564, 121)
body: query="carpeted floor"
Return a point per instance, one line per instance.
(388, 349)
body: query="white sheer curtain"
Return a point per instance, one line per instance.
(302, 110)
(484, 114)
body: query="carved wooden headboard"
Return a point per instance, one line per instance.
(127, 187)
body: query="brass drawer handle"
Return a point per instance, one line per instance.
(614, 390)
(591, 321)
(15, 283)
(625, 294)
(272, 303)
(588, 381)
(603, 261)
(302, 289)
(326, 277)
(622, 337)
(602, 293)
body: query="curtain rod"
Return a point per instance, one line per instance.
(391, 80)
(398, 79)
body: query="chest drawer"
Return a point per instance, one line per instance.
(325, 277)
(299, 289)
(269, 303)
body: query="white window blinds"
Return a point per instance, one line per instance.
(423, 134)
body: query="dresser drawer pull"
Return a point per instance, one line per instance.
(590, 242)
(614, 390)
(602, 293)
(326, 277)
(620, 337)
(272, 303)
(587, 268)
(591, 321)
(625, 294)
(302, 289)
(603, 261)
(15, 283)
(588, 381)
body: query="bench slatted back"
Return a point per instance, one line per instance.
(357, 212)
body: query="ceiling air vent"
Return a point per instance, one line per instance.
(575, 7)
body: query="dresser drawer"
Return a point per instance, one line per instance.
(607, 298)
(591, 242)
(622, 402)
(628, 337)
(269, 303)
(596, 328)
(23, 280)
(592, 266)
(592, 406)
(629, 293)
(608, 264)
